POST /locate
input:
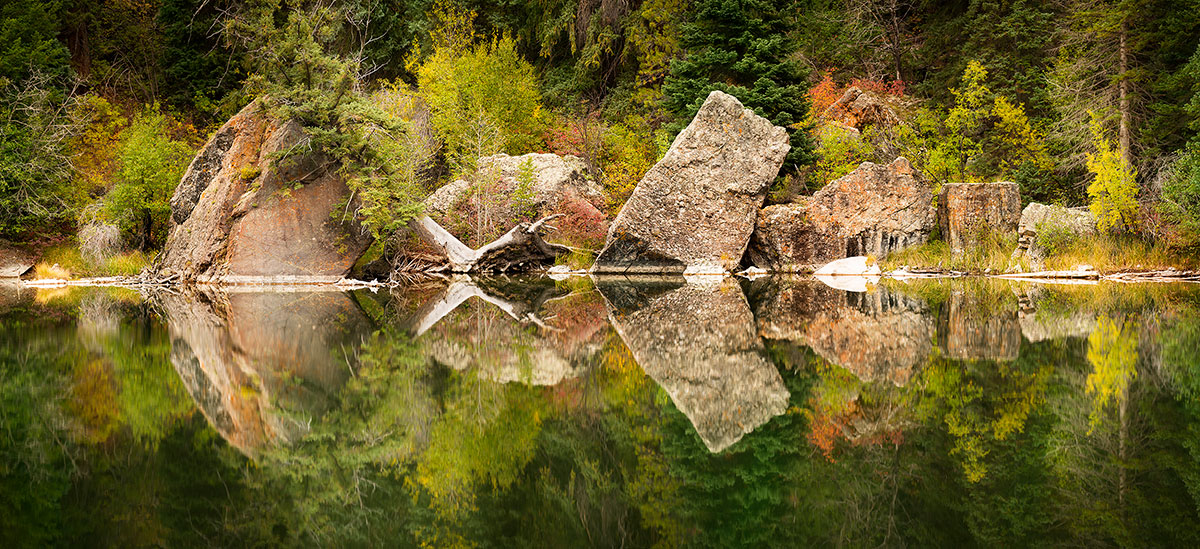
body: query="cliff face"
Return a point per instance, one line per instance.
(255, 204)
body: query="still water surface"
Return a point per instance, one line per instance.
(619, 413)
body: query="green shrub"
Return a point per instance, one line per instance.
(151, 164)
(482, 95)
(1054, 237)
(1114, 187)
(839, 152)
(1181, 200)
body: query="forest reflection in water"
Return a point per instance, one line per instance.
(635, 412)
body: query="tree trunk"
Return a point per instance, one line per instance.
(1123, 98)
(520, 248)
(147, 226)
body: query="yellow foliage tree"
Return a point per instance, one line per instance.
(1114, 187)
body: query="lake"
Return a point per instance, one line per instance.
(617, 412)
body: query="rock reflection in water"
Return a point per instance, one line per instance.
(13, 295)
(527, 331)
(878, 334)
(698, 342)
(261, 364)
(980, 322)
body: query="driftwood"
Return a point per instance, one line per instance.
(519, 248)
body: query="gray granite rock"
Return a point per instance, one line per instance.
(695, 209)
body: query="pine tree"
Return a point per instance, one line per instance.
(741, 47)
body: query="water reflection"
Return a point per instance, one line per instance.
(698, 342)
(878, 334)
(635, 412)
(505, 330)
(261, 363)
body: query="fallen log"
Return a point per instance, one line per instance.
(520, 248)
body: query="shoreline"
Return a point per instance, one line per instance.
(294, 283)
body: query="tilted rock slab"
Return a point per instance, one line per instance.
(241, 214)
(695, 209)
(966, 211)
(698, 342)
(874, 210)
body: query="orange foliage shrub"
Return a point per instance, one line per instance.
(826, 91)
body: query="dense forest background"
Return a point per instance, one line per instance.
(1082, 102)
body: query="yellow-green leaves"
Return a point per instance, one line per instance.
(483, 100)
(1114, 188)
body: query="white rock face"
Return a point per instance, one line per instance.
(697, 206)
(553, 179)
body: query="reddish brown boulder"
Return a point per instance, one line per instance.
(858, 109)
(967, 211)
(242, 214)
(874, 210)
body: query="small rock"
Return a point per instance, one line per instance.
(851, 266)
(14, 262)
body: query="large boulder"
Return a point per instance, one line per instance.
(244, 213)
(874, 210)
(695, 209)
(1057, 226)
(505, 189)
(14, 262)
(967, 211)
(858, 109)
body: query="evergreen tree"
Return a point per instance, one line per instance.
(198, 72)
(741, 47)
(28, 40)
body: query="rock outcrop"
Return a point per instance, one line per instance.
(14, 262)
(257, 362)
(967, 211)
(698, 342)
(245, 213)
(695, 209)
(511, 187)
(874, 210)
(465, 222)
(1065, 223)
(858, 109)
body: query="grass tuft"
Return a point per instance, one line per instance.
(47, 271)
